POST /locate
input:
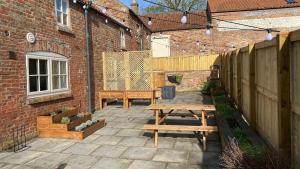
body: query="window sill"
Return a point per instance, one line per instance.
(65, 29)
(47, 98)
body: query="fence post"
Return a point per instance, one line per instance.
(231, 73)
(284, 105)
(127, 71)
(252, 85)
(239, 80)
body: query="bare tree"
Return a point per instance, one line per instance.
(174, 5)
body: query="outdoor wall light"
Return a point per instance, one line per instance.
(149, 21)
(269, 35)
(184, 18)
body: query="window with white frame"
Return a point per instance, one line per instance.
(123, 39)
(62, 12)
(47, 73)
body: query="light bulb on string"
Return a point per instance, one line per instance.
(184, 18)
(106, 21)
(269, 35)
(198, 43)
(208, 31)
(149, 21)
(103, 10)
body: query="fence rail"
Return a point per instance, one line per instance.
(263, 79)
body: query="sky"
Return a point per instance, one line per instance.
(142, 4)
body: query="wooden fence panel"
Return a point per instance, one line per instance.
(266, 91)
(185, 63)
(295, 97)
(245, 83)
(236, 75)
(228, 73)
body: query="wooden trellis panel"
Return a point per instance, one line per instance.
(127, 71)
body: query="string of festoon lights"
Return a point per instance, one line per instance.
(184, 20)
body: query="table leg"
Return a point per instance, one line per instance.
(204, 134)
(156, 131)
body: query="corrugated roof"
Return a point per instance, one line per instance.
(170, 21)
(248, 5)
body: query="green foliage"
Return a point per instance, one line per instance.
(221, 99)
(246, 146)
(207, 86)
(65, 120)
(53, 113)
(226, 110)
(63, 110)
(179, 78)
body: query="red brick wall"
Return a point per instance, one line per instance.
(20, 17)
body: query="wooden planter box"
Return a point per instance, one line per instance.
(78, 135)
(50, 126)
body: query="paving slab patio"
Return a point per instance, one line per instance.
(122, 144)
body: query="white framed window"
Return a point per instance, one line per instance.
(62, 12)
(47, 73)
(123, 39)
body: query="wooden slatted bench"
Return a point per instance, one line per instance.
(111, 94)
(160, 117)
(126, 96)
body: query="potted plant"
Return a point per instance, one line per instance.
(176, 78)
(65, 120)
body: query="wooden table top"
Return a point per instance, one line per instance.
(195, 107)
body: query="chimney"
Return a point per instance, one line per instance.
(135, 6)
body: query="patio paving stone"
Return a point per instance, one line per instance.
(167, 155)
(133, 141)
(21, 157)
(162, 143)
(107, 131)
(48, 160)
(107, 140)
(130, 132)
(80, 162)
(81, 149)
(112, 163)
(203, 158)
(139, 164)
(109, 151)
(139, 153)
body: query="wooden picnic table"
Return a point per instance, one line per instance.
(160, 117)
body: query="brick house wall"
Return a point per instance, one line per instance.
(184, 42)
(16, 20)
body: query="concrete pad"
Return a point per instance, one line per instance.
(122, 120)
(109, 151)
(129, 132)
(80, 162)
(107, 131)
(204, 158)
(133, 141)
(139, 164)
(139, 153)
(167, 155)
(81, 149)
(107, 140)
(14, 166)
(180, 145)
(162, 143)
(112, 163)
(48, 160)
(5, 154)
(21, 157)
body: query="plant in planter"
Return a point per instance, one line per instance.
(53, 113)
(65, 120)
(208, 86)
(63, 110)
(177, 78)
(80, 115)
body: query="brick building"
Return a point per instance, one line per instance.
(191, 38)
(49, 72)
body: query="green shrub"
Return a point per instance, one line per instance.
(65, 120)
(226, 110)
(63, 110)
(207, 86)
(53, 113)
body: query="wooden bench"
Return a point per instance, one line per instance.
(140, 94)
(111, 94)
(126, 96)
(160, 117)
